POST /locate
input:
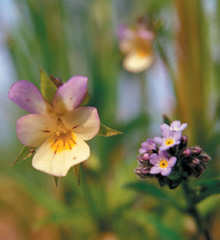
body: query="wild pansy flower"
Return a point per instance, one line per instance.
(59, 129)
(136, 43)
(162, 163)
(169, 139)
(174, 126)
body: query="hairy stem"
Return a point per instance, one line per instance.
(192, 210)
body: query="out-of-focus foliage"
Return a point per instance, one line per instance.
(69, 38)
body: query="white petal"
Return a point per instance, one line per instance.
(136, 62)
(58, 160)
(34, 129)
(84, 121)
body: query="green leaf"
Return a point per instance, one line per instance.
(48, 88)
(150, 189)
(207, 189)
(24, 153)
(107, 132)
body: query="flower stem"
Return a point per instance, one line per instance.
(192, 210)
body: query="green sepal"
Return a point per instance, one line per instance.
(107, 132)
(76, 170)
(207, 189)
(48, 88)
(85, 99)
(166, 119)
(56, 179)
(24, 153)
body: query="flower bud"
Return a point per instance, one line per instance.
(186, 153)
(194, 161)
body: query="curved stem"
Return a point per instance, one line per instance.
(192, 210)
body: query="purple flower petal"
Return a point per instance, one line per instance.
(155, 170)
(164, 126)
(166, 133)
(176, 135)
(172, 161)
(175, 125)
(183, 126)
(70, 94)
(28, 97)
(158, 140)
(141, 151)
(154, 158)
(165, 147)
(163, 154)
(166, 171)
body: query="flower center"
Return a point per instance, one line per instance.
(63, 142)
(169, 142)
(163, 163)
(60, 128)
(63, 139)
(174, 129)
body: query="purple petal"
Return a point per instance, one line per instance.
(122, 29)
(164, 126)
(163, 154)
(70, 94)
(165, 147)
(155, 170)
(175, 124)
(172, 161)
(166, 171)
(166, 133)
(183, 126)
(28, 97)
(177, 135)
(145, 145)
(154, 159)
(158, 140)
(141, 151)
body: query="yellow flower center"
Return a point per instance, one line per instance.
(169, 142)
(163, 163)
(63, 139)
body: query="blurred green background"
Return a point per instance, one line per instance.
(71, 37)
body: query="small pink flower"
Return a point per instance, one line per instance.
(58, 130)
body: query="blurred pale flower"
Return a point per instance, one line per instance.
(60, 129)
(174, 126)
(162, 163)
(136, 43)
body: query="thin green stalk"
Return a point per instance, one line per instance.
(192, 210)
